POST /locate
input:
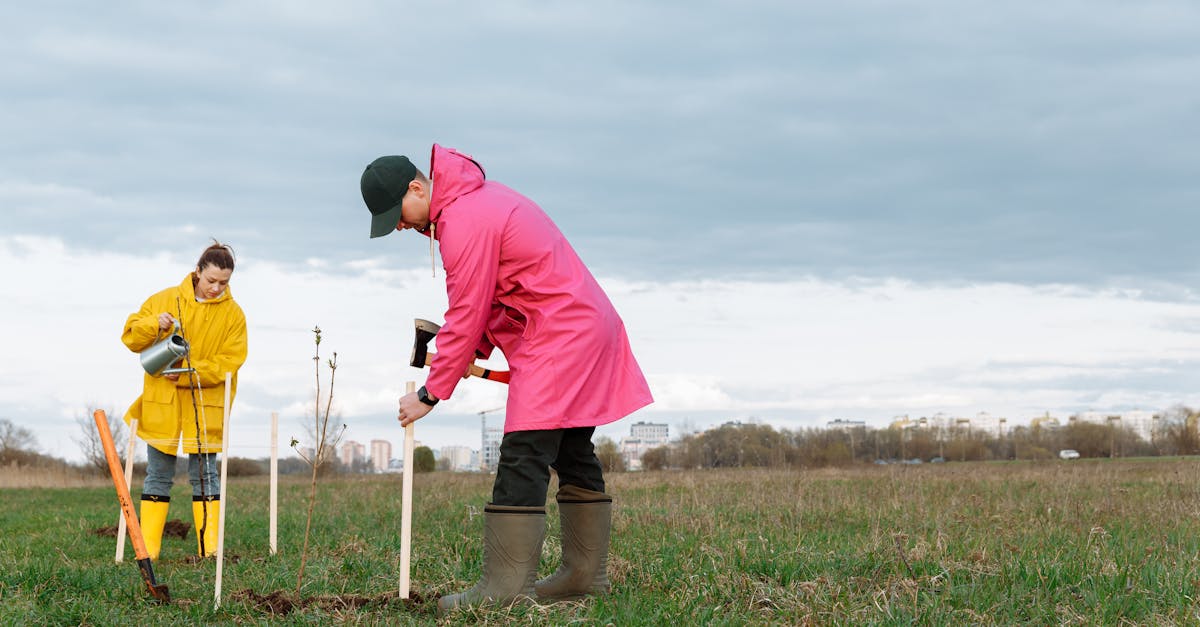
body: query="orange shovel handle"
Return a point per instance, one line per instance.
(131, 520)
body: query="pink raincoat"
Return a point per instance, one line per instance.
(515, 283)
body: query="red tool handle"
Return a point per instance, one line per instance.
(474, 370)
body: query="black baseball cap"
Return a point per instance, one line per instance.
(384, 183)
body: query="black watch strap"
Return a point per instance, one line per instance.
(423, 396)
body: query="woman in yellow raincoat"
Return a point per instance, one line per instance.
(188, 408)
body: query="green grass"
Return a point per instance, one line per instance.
(1110, 542)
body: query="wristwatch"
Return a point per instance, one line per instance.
(423, 396)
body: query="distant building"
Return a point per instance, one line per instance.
(845, 425)
(1092, 417)
(650, 431)
(353, 454)
(643, 436)
(1141, 422)
(460, 458)
(1144, 423)
(902, 423)
(491, 449)
(381, 454)
(1045, 421)
(990, 425)
(396, 464)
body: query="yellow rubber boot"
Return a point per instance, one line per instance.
(152, 518)
(206, 512)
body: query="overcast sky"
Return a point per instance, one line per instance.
(803, 211)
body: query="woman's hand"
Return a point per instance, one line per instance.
(165, 322)
(411, 409)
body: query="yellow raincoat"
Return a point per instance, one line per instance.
(216, 333)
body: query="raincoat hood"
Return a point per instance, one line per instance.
(454, 174)
(187, 289)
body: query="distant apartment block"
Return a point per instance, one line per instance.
(381, 454)
(650, 431)
(987, 424)
(1143, 423)
(944, 425)
(643, 436)
(353, 453)
(460, 458)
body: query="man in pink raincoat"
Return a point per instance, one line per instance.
(515, 283)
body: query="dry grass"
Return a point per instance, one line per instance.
(14, 476)
(1097, 542)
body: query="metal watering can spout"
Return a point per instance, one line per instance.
(159, 356)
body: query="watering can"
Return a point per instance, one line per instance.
(163, 353)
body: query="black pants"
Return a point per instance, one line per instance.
(526, 457)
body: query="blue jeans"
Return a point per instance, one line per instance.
(160, 473)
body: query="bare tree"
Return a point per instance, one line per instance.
(14, 438)
(1179, 434)
(609, 456)
(656, 458)
(90, 444)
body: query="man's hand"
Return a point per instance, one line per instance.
(411, 409)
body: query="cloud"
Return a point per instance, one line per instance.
(793, 353)
(931, 142)
(803, 210)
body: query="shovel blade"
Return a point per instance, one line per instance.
(157, 590)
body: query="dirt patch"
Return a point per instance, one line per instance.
(231, 558)
(280, 603)
(176, 529)
(173, 529)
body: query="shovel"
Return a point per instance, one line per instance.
(157, 590)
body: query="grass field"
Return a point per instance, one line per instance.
(1089, 542)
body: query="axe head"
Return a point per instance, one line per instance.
(425, 331)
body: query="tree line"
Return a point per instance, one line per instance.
(732, 445)
(19, 449)
(736, 445)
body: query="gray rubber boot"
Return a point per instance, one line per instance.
(586, 518)
(512, 546)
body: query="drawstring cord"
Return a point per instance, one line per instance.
(432, 236)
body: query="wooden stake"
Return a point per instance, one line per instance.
(406, 504)
(128, 482)
(274, 479)
(224, 490)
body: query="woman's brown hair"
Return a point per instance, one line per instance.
(219, 255)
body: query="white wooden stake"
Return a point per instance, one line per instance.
(224, 491)
(128, 482)
(274, 479)
(406, 504)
